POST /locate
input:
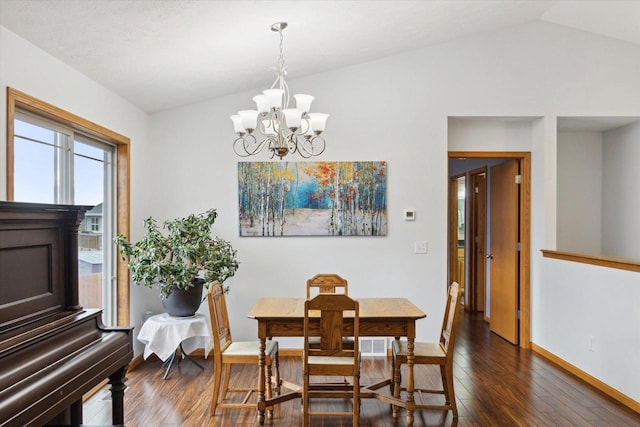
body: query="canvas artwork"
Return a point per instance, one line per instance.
(312, 198)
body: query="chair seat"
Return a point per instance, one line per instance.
(249, 348)
(420, 349)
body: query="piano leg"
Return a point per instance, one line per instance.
(117, 380)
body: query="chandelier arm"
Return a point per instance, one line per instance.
(276, 82)
(292, 143)
(287, 96)
(258, 145)
(267, 127)
(310, 142)
(246, 141)
(301, 151)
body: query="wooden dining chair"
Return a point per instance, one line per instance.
(228, 352)
(440, 353)
(329, 317)
(327, 284)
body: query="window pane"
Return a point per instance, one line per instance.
(89, 190)
(32, 131)
(34, 171)
(87, 150)
(88, 180)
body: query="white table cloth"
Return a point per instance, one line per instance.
(162, 334)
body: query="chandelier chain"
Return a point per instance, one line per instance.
(282, 71)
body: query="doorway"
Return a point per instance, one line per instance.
(477, 271)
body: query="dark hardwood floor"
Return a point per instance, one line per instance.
(496, 384)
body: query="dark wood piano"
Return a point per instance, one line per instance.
(52, 351)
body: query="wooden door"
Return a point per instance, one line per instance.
(478, 259)
(504, 249)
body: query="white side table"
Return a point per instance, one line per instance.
(163, 335)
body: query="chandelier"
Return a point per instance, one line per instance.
(284, 130)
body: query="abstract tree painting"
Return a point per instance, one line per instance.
(312, 198)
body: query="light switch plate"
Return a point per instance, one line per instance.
(420, 247)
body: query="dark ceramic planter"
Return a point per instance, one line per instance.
(184, 303)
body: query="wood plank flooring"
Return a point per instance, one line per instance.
(496, 384)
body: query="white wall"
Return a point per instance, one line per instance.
(580, 303)
(396, 109)
(540, 71)
(580, 192)
(620, 188)
(490, 133)
(30, 70)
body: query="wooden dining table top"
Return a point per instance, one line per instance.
(378, 308)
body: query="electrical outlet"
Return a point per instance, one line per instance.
(592, 340)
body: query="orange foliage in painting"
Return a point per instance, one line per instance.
(324, 172)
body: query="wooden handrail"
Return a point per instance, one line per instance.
(601, 260)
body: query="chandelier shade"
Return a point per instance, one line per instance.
(274, 125)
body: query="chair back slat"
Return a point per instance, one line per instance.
(219, 318)
(333, 311)
(327, 284)
(331, 330)
(449, 323)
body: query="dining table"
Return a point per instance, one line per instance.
(379, 317)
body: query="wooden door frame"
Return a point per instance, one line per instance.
(524, 300)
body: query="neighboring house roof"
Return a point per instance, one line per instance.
(90, 257)
(97, 210)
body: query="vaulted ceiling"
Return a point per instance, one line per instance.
(159, 54)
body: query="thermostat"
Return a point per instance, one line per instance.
(409, 214)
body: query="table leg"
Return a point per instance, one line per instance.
(169, 364)
(261, 381)
(410, 384)
(184, 353)
(170, 361)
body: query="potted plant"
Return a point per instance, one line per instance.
(179, 261)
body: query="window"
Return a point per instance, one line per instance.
(56, 164)
(56, 157)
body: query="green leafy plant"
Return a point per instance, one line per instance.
(186, 252)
